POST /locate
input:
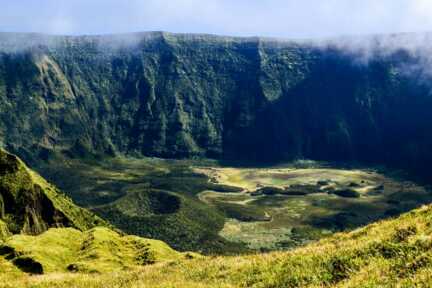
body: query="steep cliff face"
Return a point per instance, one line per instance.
(160, 94)
(29, 205)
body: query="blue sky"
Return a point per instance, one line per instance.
(277, 18)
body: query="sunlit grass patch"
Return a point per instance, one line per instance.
(391, 253)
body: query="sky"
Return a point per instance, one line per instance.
(272, 18)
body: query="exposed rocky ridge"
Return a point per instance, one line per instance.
(168, 95)
(30, 205)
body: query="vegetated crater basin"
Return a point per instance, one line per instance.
(280, 208)
(203, 205)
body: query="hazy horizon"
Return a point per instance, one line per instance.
(274, 18)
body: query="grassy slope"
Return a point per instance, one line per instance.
(382, 254)
(38, 213)
(29, 204)
(99, 250)
(82, 218)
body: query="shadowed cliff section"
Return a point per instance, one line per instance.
(179, 95)
(29, 205)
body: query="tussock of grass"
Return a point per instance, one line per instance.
(4, 231)
(384, 254)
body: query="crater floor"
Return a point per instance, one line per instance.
(221, 209)
(264, 218)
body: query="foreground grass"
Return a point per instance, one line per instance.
(391, 253)
(99, 250)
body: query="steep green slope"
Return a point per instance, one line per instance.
(30, 205)
(391, 253)
(43, 231)
(169, 95)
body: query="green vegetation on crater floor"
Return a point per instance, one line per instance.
(152, 198)
(295, 205)
(203, 206)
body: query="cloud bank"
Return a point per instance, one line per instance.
(273, 18)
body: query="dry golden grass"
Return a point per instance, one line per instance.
(391, 253)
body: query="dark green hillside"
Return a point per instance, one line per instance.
(169, 95)
(152, 198)
(30, 205)
(43, 231)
